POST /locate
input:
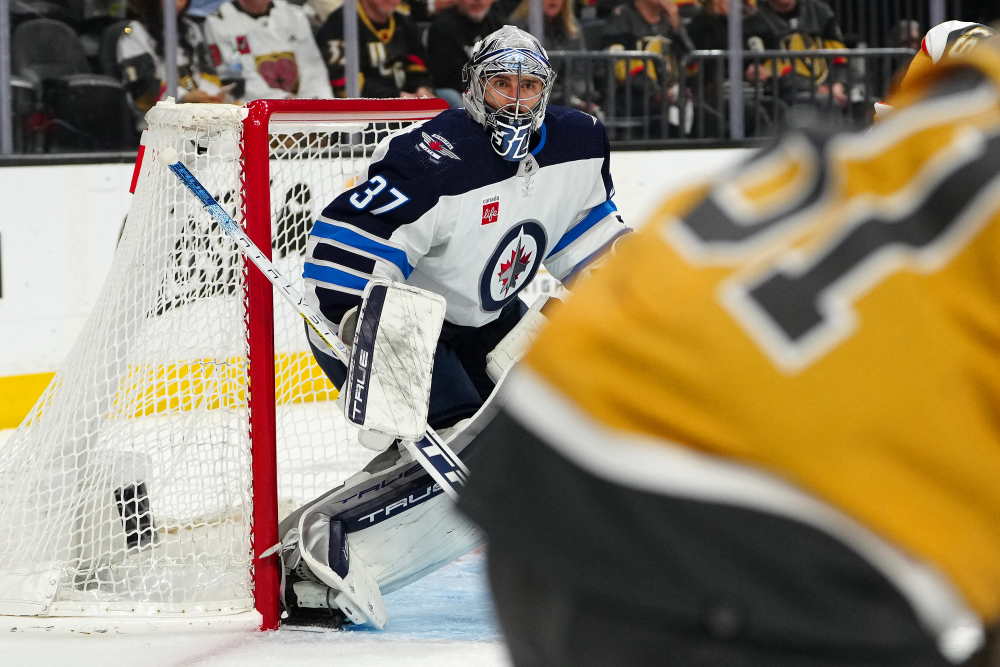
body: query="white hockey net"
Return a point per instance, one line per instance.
(128, 488)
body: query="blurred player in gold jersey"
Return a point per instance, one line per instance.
(951, 39)
(768, 433)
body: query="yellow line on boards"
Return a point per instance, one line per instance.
(178, 387)
(18, 394)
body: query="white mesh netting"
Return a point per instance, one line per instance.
(128, 487)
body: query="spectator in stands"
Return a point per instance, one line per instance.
(686, 9)
(391, 59)
(140, 56)
(423, 11)
(802, 25)
(709, 26)
(646, 25)
(605, 7)
(906, 35)
(319, 11)
(709, 30)
(271, 44)
(420, 10)
(452, 36)
(562, 33)
(643, 25)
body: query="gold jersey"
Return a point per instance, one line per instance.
(829, 312)
(951, 39)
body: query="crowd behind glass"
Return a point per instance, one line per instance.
(75, 75)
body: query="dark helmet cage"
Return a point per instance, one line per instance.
(506, 51)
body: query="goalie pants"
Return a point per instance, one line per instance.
(459, 383)
(586, 572)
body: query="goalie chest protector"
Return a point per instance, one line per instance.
(440, 210)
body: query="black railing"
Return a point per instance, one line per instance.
(873, 23)
(646, 97)
(606, 84)
(842, 84)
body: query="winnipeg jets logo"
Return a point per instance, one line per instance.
(511, 270)
(511, 265)
(437, 146)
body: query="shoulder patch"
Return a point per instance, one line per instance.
(437, 147)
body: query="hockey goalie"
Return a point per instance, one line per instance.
(466, 206)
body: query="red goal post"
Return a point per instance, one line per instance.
(257, 217)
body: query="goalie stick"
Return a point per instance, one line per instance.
(430, 451)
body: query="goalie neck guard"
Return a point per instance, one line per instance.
(508, 51)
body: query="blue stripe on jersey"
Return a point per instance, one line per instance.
(596, 214)
(355, 240)
(541, 142)
(332, 276)
(571, 276)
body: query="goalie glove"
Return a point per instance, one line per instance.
(515, 344)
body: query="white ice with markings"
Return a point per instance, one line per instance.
(443, 620)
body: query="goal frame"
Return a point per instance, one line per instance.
(256, 218)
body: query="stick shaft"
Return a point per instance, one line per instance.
(442, 464)
(248, 248)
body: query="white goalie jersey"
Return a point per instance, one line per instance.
(440, 210)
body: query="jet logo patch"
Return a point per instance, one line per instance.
(512, 265)
(437, 147)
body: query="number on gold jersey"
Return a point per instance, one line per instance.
(798, 302)
(968, 41)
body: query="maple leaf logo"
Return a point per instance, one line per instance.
(511, 270)
(436, 146)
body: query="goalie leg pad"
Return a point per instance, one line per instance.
(415, 539)
(398, 536)
(397, 524)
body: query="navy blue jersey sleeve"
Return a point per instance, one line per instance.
(378, 228)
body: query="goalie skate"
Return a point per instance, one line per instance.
(309, 602)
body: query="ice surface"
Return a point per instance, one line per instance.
(443, 620)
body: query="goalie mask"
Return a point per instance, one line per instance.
(507, 85)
